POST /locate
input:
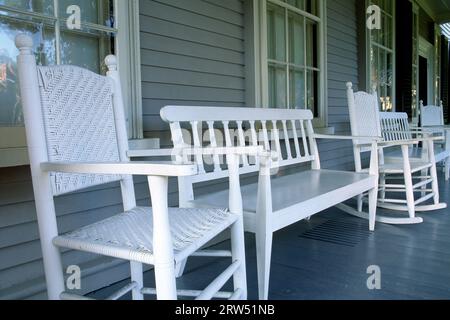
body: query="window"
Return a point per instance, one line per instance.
(107, 26)
(292, 55)
(415, 65)
(381, 68)
(54, 43)
(437, 66)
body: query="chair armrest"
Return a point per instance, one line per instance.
(337, 137)
(150, 153)
(166, 169)
(424, 136)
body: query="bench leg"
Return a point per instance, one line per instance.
(263, 257)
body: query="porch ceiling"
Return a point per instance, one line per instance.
(439, 10)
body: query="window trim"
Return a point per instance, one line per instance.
(13, 152)
(257, 49)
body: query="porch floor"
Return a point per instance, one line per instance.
(327, 258)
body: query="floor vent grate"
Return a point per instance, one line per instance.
(342, 232)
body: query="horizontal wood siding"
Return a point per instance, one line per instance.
(192, 53)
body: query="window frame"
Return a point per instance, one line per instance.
(13, 146)
(260, 55)
(369, 43)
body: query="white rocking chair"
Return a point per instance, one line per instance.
(77, 138)
(432, 121)
(365, 121)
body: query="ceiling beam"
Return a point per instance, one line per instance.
(425, 5)
(442, 18)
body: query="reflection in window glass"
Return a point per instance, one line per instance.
(10, 106)
(41, 6)
(92, 11)
(277, 86)
(276, 33)
(84, 50)
(86, 47)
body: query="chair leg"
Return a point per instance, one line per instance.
(137, 276)
(434, 184)
(383, 189)
(447, 169)
(263, 256)
(179, 268)
(359, 201)
(372, 208)
(423, 174)
(238, 254)
(165, 282)
(408, 182)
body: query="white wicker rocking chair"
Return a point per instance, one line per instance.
(365, 121)
(77, 138)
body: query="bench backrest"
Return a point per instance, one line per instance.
(431, 115)
(274, 129)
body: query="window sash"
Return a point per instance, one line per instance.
(382, 44)
(315, 72)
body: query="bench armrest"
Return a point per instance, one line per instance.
(165, 169)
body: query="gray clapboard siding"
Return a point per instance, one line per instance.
(342, 60)
(192, 53)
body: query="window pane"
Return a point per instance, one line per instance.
(312, 7)
(42, 6)
(300, 4)
(312, 101)
(374, 62)
(87, 51)
(92, 11)
(296, 39)
(276, 33)
(311, 44)
(388, 33)
(10, 105)
(297, 89)
(277, 86)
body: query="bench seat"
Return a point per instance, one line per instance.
(305, 192)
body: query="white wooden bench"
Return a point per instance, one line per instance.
(272, 203)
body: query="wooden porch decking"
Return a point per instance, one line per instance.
(327, 258)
